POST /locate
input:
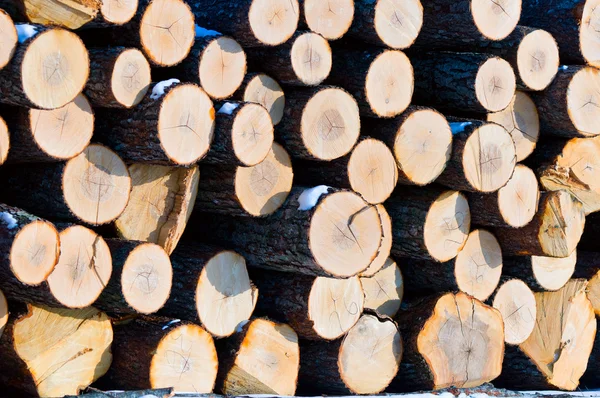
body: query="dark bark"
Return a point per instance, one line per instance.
(14, 8)
(590, 378)
(424, 278)
(333, 173)
(216, 191)
(519, 372)
(227, 350)
(319, 369)
(99, 85)
(485, 210)
(522, 267)
(588, 264)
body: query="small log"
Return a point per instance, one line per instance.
(4, 141)
(160, 204)
(264, 90)
(541, 273)
(364, 362)
(48, 70)
(247, 191)
(8, 37)
(332, 20)
(261, 358)
(386, 243)
(384, 290)
(554, 231)
(471, 82)
(516, 303)
(429, 223)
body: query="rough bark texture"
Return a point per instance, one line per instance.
(485, 210)
(333, 173)
(15, 9)
(521, 267)
(99, 85)
(319, 368)
(189, 69)
(424, 278)
(519, 372)
(363, 24)
(216, 191)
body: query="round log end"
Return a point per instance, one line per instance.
(496, 19)
(593, 293)
(516, 304)
(222, 67)
(522, 122)
(447, 226)
(34, 252)
(386, 243)
(130, 77)
(4, 141)
(537, 59)
(96, 185)
(55, 68)
(384, 290)
(588, 33)
(118, 12)
(458, 358)
(518, 200)
(563, 220)
(329, 19)
(8, 38)
(167, 31)
(552, 273)
(252, 134)
(583, 97)
(398, 22)
(330, 124)
(311, 58)
(273, 22)
(83, 269)
(3, 312)
(495, 84)
(265, 91)
(389, 84)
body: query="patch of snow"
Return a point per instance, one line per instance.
(458, 127)
(25, 31)
(9, 220)
(168, 324)
(203, 32)
(228, 108)
(160, 87)
(564, 67)
(241, 325)
(309, 198)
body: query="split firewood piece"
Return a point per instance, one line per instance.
(381, 80)
(304, 60)
(317, 308)
(119, 77)
(48, 70)
(8, 37)
(483, 157)
(160, 205)
(4, 141)
(243, 135)
(155, 352)
(38, 135)
(335, 233)
(556, 354)
(173, 125)
(262, 357)
(247, 191)
(264, 90)
(370, 170)
(429, 223)
(394, 24)
(329, 19)
(3, 312)
(450, 340)
(210, 284)
(522, 122)
(320, 123)
(384, 290)
(541, 273)
(516, 303)
(50, 352)
(472, 82)
(386, 243)
(253, 23)
(514, 205)
(554, 231)
(364, 362)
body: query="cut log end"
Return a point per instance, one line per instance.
(522, 122)
(476, 355)
(398, 22)
(34, 252)
(167, 31)
(4, 141)
(478, 265)
(55, 68)
(563, 220)
(3, 312)
(263, 188)
(118, 12)
(273, 22)
(265, 91)
(386, 243)
(588, 33)
(71, 14)
(311, 58)
(384, 290)
(389, 84)
(583, 96)
(552, 273)
(423, 146)
(130, 77)
(330, 124)
(185, 359)
(516, 304)
(496, 19)
(222, 67)
(8, 38)
(83, 269)
(96, 185)
(537, 59)
(330, 19)
(518, 199)
(252, 134)
(495, 84)
(186, 124)
(593, 293)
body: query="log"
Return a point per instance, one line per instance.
(317, 308)
(172, 125)
(160, 204)
(483, 157)
(321, 123)
(261, 358)
(253, 23)
(470, 82)
(331, 20)
(429, 223)
(541, 273)
(381, 80)
(516, 303)
(51, 352)
(449, 340)
(337, 237)
(514, 205)
(384, 290)
(9, 38)
(364, 362)
(264, 90)
(47, 71)
(4, 141)
(370, 170)
(554, 231)
(386, 243)
(92, 187)
(155, 352)
(556, 354)
(392, 24)
(49, 135)
(247, 191)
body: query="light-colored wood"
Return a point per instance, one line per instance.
(398, 22)
(516, 303)
(389, 83)
(273, 22)
(8, 38)
(384, 290)
(118, 12)
(588, 33)
(83, 269)
(495, 84)
(518, 199)
(161, 203)
(331, 19)
(311, 58)
(34, 252)
(553, 273)
(130, 78)
(4, 141)
(252, 134)
(537, 59)
(593, 292)
(522, 122)
(3, 312)
(496, 20)
(265, 91)
(222, 67)
(71, 14)
(386, 243)
(583, 95)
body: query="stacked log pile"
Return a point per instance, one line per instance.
(298, 196)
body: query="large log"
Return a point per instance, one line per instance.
(263, 90)
(541, 273)
(516, 303)
(384, 290)
(8, 36)
(331, 20)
